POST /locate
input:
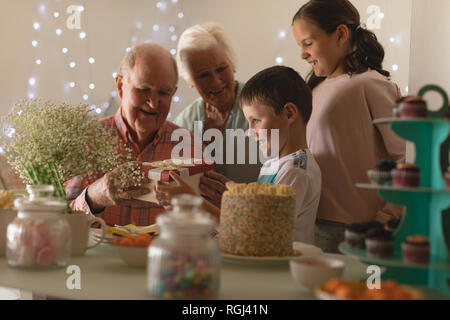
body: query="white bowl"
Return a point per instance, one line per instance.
(311, 272)
(132, 255)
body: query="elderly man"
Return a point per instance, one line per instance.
(146, 84)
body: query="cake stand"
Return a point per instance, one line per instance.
(424, 206)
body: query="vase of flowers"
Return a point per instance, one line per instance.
(49, 143)
(52, 142)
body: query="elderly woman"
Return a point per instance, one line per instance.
(207, 61)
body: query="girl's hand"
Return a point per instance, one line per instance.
(164, 192)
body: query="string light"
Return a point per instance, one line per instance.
(128, 49)
(180, 15)
(139, 25)
(32, 81)
(72, 64)
(155, 27)
(172, 29)
(58, 32)
(42, 8)
(395, 67)
(34, 43)
(56, 14)
(91, 60)
(381, 15)
(64, 50)
(114, 75)
(175, 1)
(36, 26)
(38, 61)
(173, 52)
(282, 34)
(161, 5)
(173, 38)
(72, 84)
(30, 95)
(82, 35)
(176, 99)
(85, 97)
(92, 86)
(279, 60)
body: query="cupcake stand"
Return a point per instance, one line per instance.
(425, 211)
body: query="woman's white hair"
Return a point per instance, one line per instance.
(203, 37)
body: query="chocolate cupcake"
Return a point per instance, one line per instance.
(406, 175)
(382, 172)
(355, 234)
(416, 249)
(411, 107)
(379, 243)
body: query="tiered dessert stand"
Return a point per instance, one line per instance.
(424, 206)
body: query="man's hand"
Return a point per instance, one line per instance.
(212, 186)
(103, 193)
(164, 192)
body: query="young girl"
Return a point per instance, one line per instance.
(350, 90)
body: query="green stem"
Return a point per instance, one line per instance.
(57, 181)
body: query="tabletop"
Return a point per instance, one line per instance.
(103, 275)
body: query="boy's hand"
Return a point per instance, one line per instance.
(212, 186)
(164, 192)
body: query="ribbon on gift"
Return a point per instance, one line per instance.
(160, 169)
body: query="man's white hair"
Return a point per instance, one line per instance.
(129, 60)
(203, 37)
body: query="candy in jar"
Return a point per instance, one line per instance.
(184, 262)
(39, 237)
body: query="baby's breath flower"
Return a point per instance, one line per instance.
(54, 142)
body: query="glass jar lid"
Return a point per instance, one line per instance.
(40, 198)
(187, 215)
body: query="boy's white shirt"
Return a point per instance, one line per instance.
(301, 171)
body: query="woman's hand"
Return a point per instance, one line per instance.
(164, 192)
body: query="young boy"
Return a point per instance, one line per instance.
(277, 98)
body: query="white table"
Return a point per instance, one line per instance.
(105, 276)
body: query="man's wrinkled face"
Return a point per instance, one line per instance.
(146, 92)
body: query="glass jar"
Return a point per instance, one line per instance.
(39, 237)
(184, 261)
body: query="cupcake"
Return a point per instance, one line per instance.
(411, 107)
(382, 172)
(379, 243)
(416, 249)
(392, 224)
(355, 233)
(406, 175)
(447, 178)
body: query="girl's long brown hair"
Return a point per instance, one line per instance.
(367, 52)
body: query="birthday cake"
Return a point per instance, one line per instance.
(257, 220)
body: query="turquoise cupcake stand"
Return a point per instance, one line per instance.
(426, 207)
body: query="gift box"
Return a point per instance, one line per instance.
(190, 170)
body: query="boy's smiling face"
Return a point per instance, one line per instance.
(262, 124)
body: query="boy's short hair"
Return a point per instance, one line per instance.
(276, 86)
